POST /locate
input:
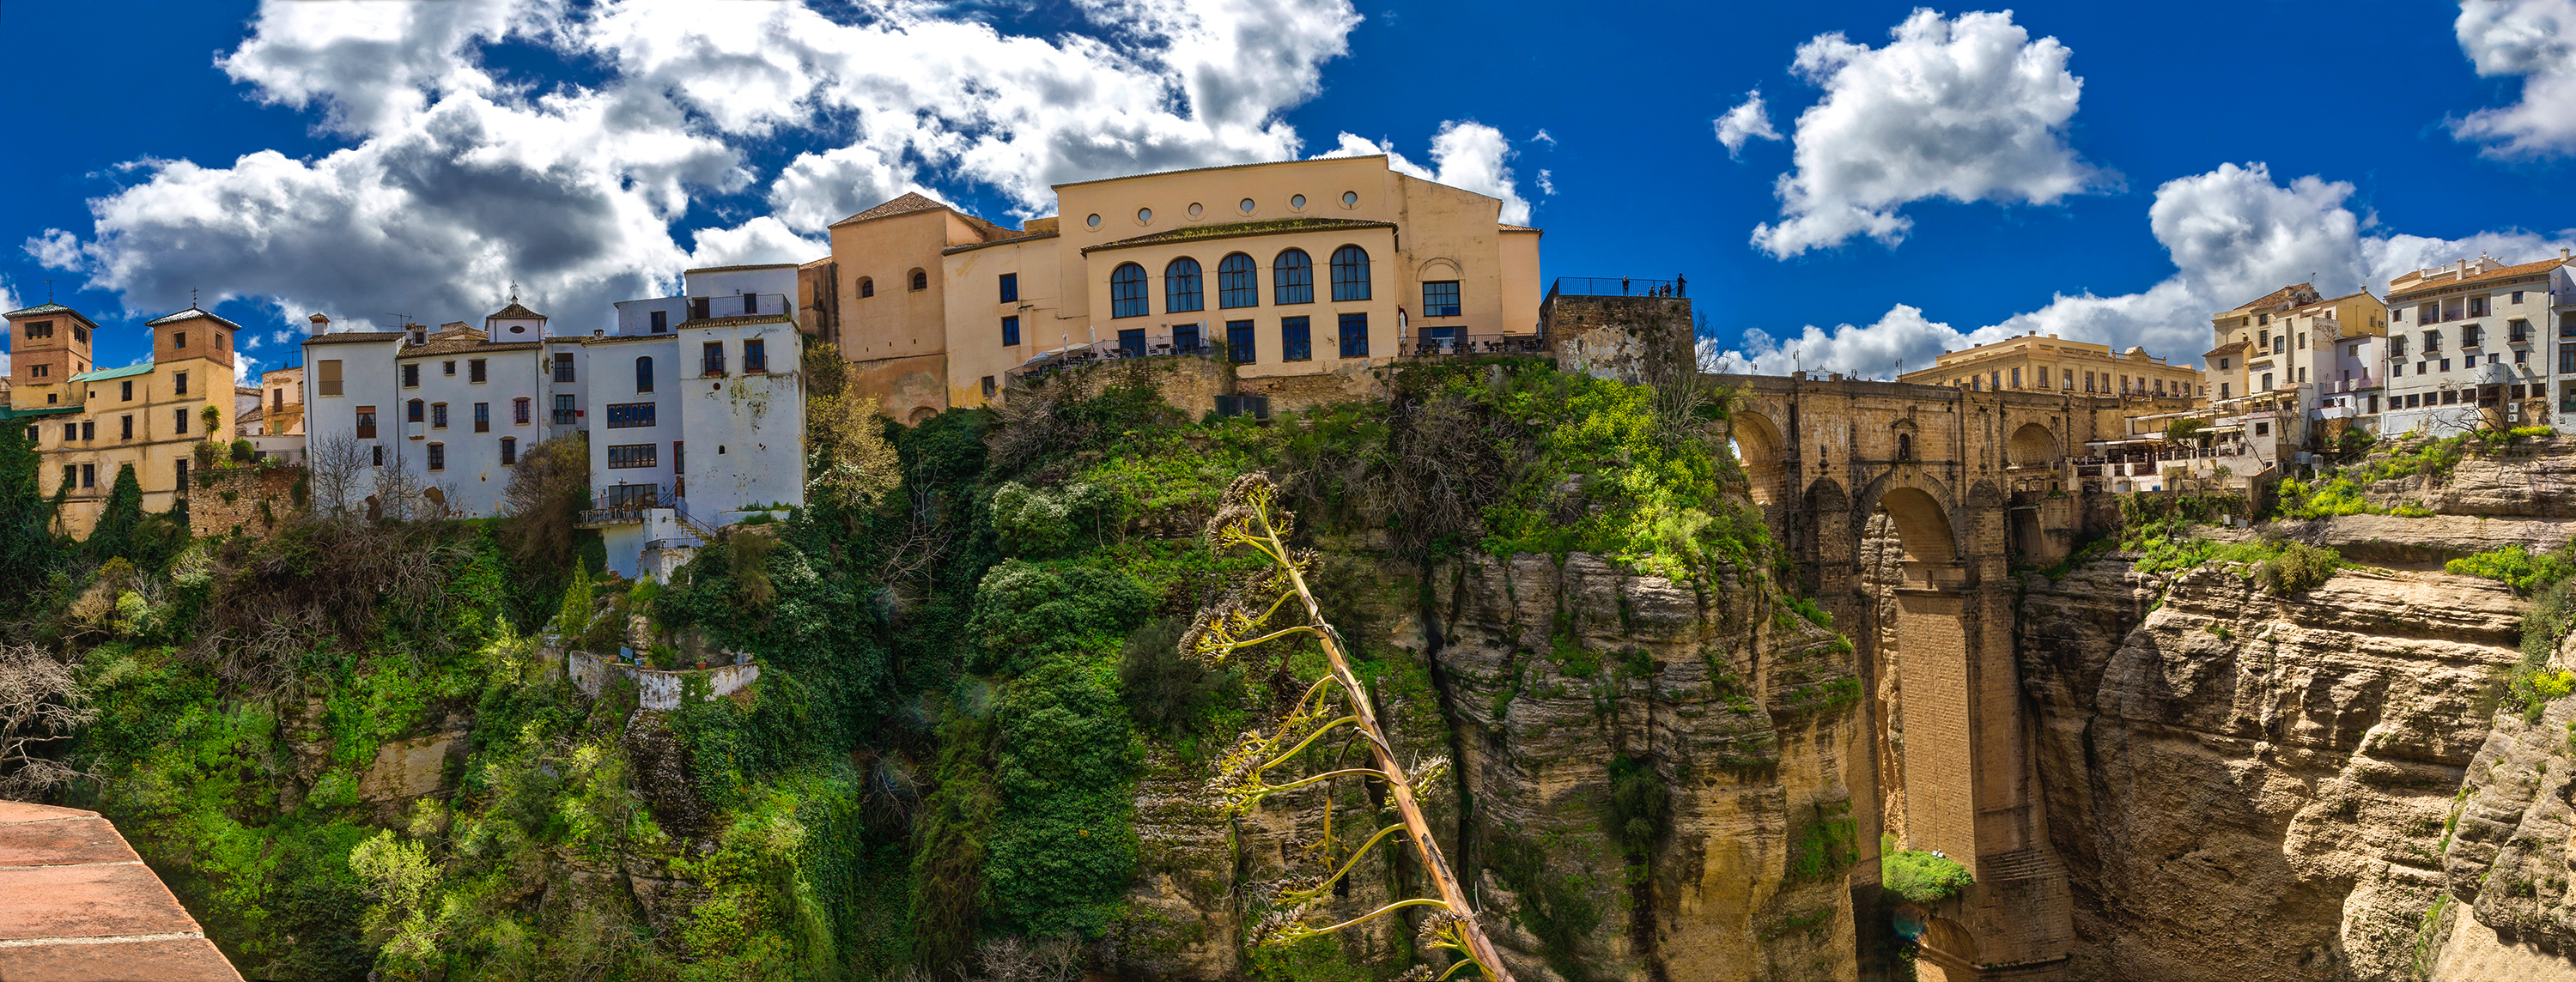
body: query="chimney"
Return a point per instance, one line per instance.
(321, 324)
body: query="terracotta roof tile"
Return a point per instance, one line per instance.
(44, 309)
(515, 312)
(903, 204)
(2507, 273)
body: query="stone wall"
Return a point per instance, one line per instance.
(655, 689)
(1623, 338)
(1296, 393)
(251, 501)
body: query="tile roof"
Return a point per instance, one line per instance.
(972, 246)
(515, 312)
(1509, 227)
(2229, 348)
(2507, 273)
(191, 313)
(743, 321)
(463, 340)
(904, 204)
(1230, 230)
(128, 371)
(42, 309)
(2274, 298)
(354, 337)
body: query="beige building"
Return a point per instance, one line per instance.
(1304, 274)
(2049, 363)
(276, 404)
(89, 422)
(2285, 339)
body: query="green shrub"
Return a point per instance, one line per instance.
(2298, 568)
(2516, 566)
(1025, 612)
(1809, 609)
(1032, 522)
(1922, 877)
(242, 452)
(1169, 692)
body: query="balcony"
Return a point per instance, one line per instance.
(625, 504)
(1453, 345)
(739, 305)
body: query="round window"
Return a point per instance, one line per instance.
(1093, 221)
(1144, 215)
(1196, 209)
(1350, 199)
(1297, 203)
(1246, 206)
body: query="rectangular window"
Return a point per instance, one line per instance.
(2432, 341)
(2517, 331)
(89, 475)
(1131, 341)
(379, 454)
(1294, 345)
(755, 355)
(179, 383)
(2450, 397)
(71, 432)
(2446, 364)
(711, 360)
(509, 450)
(126, 390)
(1185, 339)
(179, 339)
(988, 387)
(438, 416)
(2517, 296)
(519, 411)
(40, 329)
(623, 415)
(411, 376)
(2567, 359)
(277, 399)
(563, 366)
(2016, 375)
(366, 422)
(2477, 306)
(330, 373)
(125, 427)
(2070, 380)
(660, 321)
(438, 456)
(474, 371)
(1440, 298)
(482, 417)
(447, 368)
(1355, 336)
(2472, 336)
(1010, 332)
(1010, 288)
(564, 413)
(1238, 342)
(179, 422)
(2222, 390)
(698, 307)
(632, 455)
(89, 429)
(181, 465)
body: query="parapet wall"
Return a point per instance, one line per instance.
(655, 689)
(252, 500)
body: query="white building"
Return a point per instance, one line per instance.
(2471, 337)
(444, 415)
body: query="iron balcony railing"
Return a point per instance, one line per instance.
(1617, 286)
(1476, 344)
(625, 504)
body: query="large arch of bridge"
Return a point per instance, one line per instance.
(1920, 506)
(1763, 448)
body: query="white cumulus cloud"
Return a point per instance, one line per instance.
(1748, 121)
(1967, 110)
(2234, 234)
(1464, 154)
(2534, 40)
(456, 178)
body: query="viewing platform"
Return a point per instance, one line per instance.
(77, 905)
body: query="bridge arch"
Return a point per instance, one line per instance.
(1764, 451)
(2032, 445)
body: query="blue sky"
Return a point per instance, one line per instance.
(2124, 174)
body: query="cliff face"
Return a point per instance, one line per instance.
(1651, 776)
(2509, 856)
(2253, 787)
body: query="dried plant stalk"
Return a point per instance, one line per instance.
(1250, 517)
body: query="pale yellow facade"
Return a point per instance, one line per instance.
(989, 299)
(2036, 362)
(150, 416)
(2284, 340)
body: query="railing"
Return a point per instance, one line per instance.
(1617, 286)
(1164, 345)
(737, 305)
(564, 417)
(625, 504)
(1475, 344)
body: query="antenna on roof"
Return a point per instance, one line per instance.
(49, 291)
(192, 298)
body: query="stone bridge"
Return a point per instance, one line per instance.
(1967, 483)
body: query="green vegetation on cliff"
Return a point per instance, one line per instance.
(348, 751)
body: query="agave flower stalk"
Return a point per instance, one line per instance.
(1251, 518)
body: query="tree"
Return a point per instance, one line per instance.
(2183, 431)
(336, 464)
(826, 376)
(1249, 517)
(213, 417)
(41, 702)
(850, 464)
(114, 533)
(549, 487)
(26, 541)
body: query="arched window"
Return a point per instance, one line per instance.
(1292, 278)
(644, 374)
(920, 280)
(1181, 293)
(1350, 273)
(1237, 283)
(867, 287)
(1127, 291)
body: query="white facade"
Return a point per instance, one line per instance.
(693, 406)
(2472, 336)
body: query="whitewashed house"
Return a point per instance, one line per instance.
(693, 407)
